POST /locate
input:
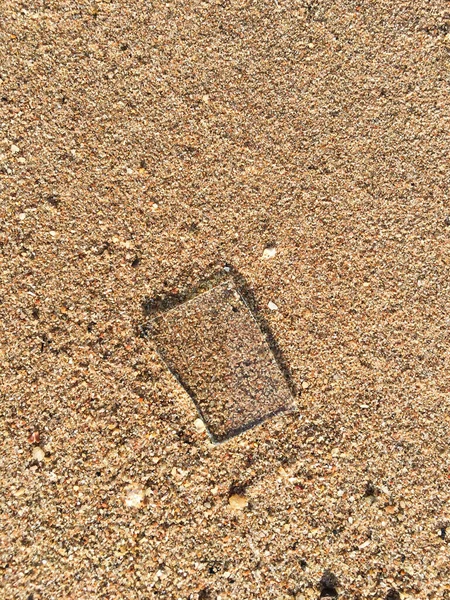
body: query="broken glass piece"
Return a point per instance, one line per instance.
(214, 347)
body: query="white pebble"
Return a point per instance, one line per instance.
(269, 252)
(134, 496)
(199, 425)
(38, 454)
(15, 149)
(22, 216)
(272, 305)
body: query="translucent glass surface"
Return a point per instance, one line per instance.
(215, 348)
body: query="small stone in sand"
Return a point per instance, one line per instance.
(38, 454)
(269, 252)
(134, 496)
(34, 438)
(199, 425)
(272, 305)
(15, 149)
(237, 501)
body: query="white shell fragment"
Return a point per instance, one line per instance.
(199, 425)
(38, 454)
(269, 252)
(134, 495)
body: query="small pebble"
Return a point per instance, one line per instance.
(134, 496)
(305, 385)
(272, 305)
(34, 437)
(22, 216)
(15, 149)
(237, 501)
(269, 252)
(199, 425)
(38, 454)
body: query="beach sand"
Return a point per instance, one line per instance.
(143, 147)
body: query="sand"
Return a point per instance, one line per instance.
(144, 146)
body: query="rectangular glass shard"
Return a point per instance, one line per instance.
(214, 347)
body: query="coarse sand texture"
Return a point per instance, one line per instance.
(300, 149)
